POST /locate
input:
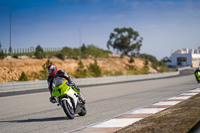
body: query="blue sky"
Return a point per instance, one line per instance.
(165, 25)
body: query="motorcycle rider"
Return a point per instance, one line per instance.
(53, 72)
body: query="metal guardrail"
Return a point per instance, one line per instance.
(114, 79)
(41, 84)
(29, 50)
(23, 85)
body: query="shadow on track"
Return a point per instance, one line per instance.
(38, 120)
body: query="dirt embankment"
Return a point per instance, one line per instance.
(12, 68)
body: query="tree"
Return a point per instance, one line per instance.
(125, 40)
(84, 51)
(39, 53)
(2, 55)
(83, 48)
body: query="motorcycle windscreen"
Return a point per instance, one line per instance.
(58, 81)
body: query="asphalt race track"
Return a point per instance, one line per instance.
(34, 113)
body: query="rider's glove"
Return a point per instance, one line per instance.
(52, 99)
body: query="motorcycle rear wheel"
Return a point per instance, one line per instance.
(68, 109)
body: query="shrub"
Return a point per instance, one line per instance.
(131, 67)
(146, 68)
(152, 59)
(60, 56)
(15, 56)
(163, 67)
(118, 73)
(81, 72)
(131, 60)
(158, 65)
(23, 77)
(2, 55)
(96, 52)
(39, 53)
(84, 52)
(69, 52)
(95, 69)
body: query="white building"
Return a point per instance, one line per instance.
(186, 57)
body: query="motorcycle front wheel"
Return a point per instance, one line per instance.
(83, 111)
(68, 109)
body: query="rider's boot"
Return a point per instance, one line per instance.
(52, 99)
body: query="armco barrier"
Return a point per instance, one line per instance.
(24, 85)
(113, 79)
(41, 84)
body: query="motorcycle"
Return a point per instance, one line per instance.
(68, 98)
(197, 76)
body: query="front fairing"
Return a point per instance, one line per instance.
(60, 89)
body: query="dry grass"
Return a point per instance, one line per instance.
(12, 68)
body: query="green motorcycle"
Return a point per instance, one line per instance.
(197, 76)
(68, 98)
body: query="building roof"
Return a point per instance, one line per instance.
(187, 51)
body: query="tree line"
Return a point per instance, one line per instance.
(125, 41)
